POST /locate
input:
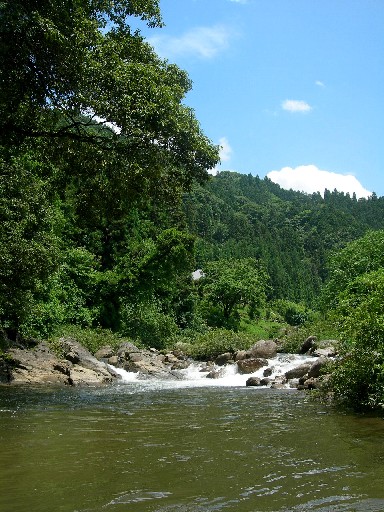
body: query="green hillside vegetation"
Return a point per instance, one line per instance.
(106, 209)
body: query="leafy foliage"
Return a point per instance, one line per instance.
(228, 284)
(218, 341)
(356, 285)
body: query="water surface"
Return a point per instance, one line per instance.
(163, 447)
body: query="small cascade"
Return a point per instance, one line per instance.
(203, 375)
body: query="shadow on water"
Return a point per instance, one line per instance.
(145, 447)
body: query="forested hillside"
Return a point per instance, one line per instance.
(240, 216)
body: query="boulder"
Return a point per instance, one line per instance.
(180, 365)
(79, 355)
(299, 371)
(308, 384)
(80, 376)
(325, 352)
(253, 381)
(264, 348)
(223, 359)
(242, 354)
(308, 345)
(316, 367)
(170, 358)
(251, 365)
(215, 374)
(268, 372)
(105, 352)
(41, 366)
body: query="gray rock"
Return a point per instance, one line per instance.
(251, 365)
(223, 359)
(215, 374)
(316, 367)
(268, 372)
(253, 381)
(308, 345)
(299, 371)
(264, 348)
(242, 354)
(114, 360)
(104, 352)
(41, 366)
(325, 352)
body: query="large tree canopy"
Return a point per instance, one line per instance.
(93, 128)
(68, 66)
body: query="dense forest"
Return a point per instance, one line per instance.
(237, 216)
(107, 207)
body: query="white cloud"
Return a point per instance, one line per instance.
(225, 153)
(205, 42)
(239, 1)
(320, 83)
(296, 106)
(308, 178)
(225, 149)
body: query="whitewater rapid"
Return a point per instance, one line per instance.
(196, 374)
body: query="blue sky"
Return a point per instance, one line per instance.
(290, 86)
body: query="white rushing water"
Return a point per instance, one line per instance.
(196, 373)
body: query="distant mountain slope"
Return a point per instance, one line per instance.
(237, 215)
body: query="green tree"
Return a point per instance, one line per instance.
(233, 283)
(102, 118)
(29, 246)
(355, 293)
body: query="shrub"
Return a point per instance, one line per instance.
(218, 341)
(146, 322)
(292, 313)
(91, 339)
(357, 380)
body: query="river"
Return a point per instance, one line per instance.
(178, 447)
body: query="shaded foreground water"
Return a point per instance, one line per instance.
(159, 447)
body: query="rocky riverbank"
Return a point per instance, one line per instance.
(76, 366)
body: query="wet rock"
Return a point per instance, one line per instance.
(180, 365)
(293, 383)
(207, 367)
(5, 371)
(263, 349)
(277, 385)
(265, 381)
(268, 372)
(215, 374)
(250, 365)
(223, 359)
(253, 381)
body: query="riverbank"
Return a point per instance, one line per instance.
(71, 364)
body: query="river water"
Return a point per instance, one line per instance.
(185, 447)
